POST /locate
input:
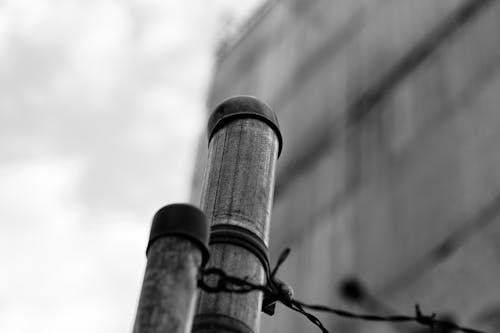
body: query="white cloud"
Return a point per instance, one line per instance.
(102, 106)
(35, 190)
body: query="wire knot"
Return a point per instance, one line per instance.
(278, 291)
(422, 319)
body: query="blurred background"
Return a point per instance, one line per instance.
(388, 187)
(101, 106)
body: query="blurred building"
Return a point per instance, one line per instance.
(390, 172)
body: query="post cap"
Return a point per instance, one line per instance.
(243, 107)
(181, 220)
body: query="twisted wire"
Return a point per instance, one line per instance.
(277, 290)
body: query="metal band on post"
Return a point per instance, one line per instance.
(244, 144)
(233, 234)
(176, 249)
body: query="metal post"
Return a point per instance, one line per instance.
(237, 193)
(176, 249)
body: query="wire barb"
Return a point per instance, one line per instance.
(215, 280)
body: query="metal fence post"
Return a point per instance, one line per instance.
(237, 195)
(176, 249)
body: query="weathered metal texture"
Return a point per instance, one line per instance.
(168, 295)
(238, 190)
(239, 180)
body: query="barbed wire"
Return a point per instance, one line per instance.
(278, 291)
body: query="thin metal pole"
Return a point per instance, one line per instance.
(175, 252)
(237, 195)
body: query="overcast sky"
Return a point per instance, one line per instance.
(101, 106)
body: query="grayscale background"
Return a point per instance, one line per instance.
(389, 175)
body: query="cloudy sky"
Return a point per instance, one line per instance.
(101, 106)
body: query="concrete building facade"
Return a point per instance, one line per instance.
(390, 172)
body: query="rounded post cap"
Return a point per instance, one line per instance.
(243, 107)
(181, 220)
